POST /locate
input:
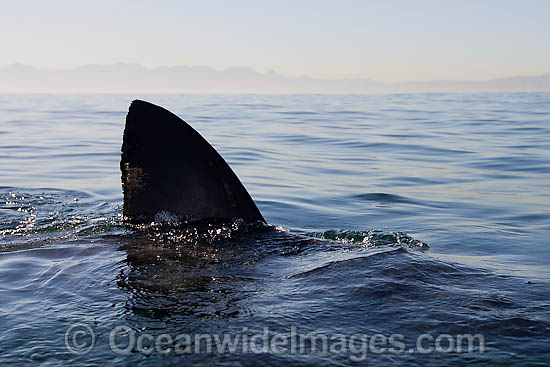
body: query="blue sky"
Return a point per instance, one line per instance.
(384, 40)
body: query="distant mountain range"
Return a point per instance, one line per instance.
(133, 78)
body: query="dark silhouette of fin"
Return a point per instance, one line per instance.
(167, 166)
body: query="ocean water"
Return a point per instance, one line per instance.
(396, 218)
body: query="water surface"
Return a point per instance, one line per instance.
(396, 214)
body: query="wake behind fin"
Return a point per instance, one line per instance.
(167, 166)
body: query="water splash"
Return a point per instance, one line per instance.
(34, 217)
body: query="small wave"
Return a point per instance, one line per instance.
(383, 198)
(372, 238)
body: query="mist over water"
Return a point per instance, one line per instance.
(403, 213)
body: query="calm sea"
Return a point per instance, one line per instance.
(398, 218)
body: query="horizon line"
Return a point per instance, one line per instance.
(271, 72)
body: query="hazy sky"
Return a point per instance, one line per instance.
(384, 40)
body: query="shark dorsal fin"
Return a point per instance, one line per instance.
(167, 166)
